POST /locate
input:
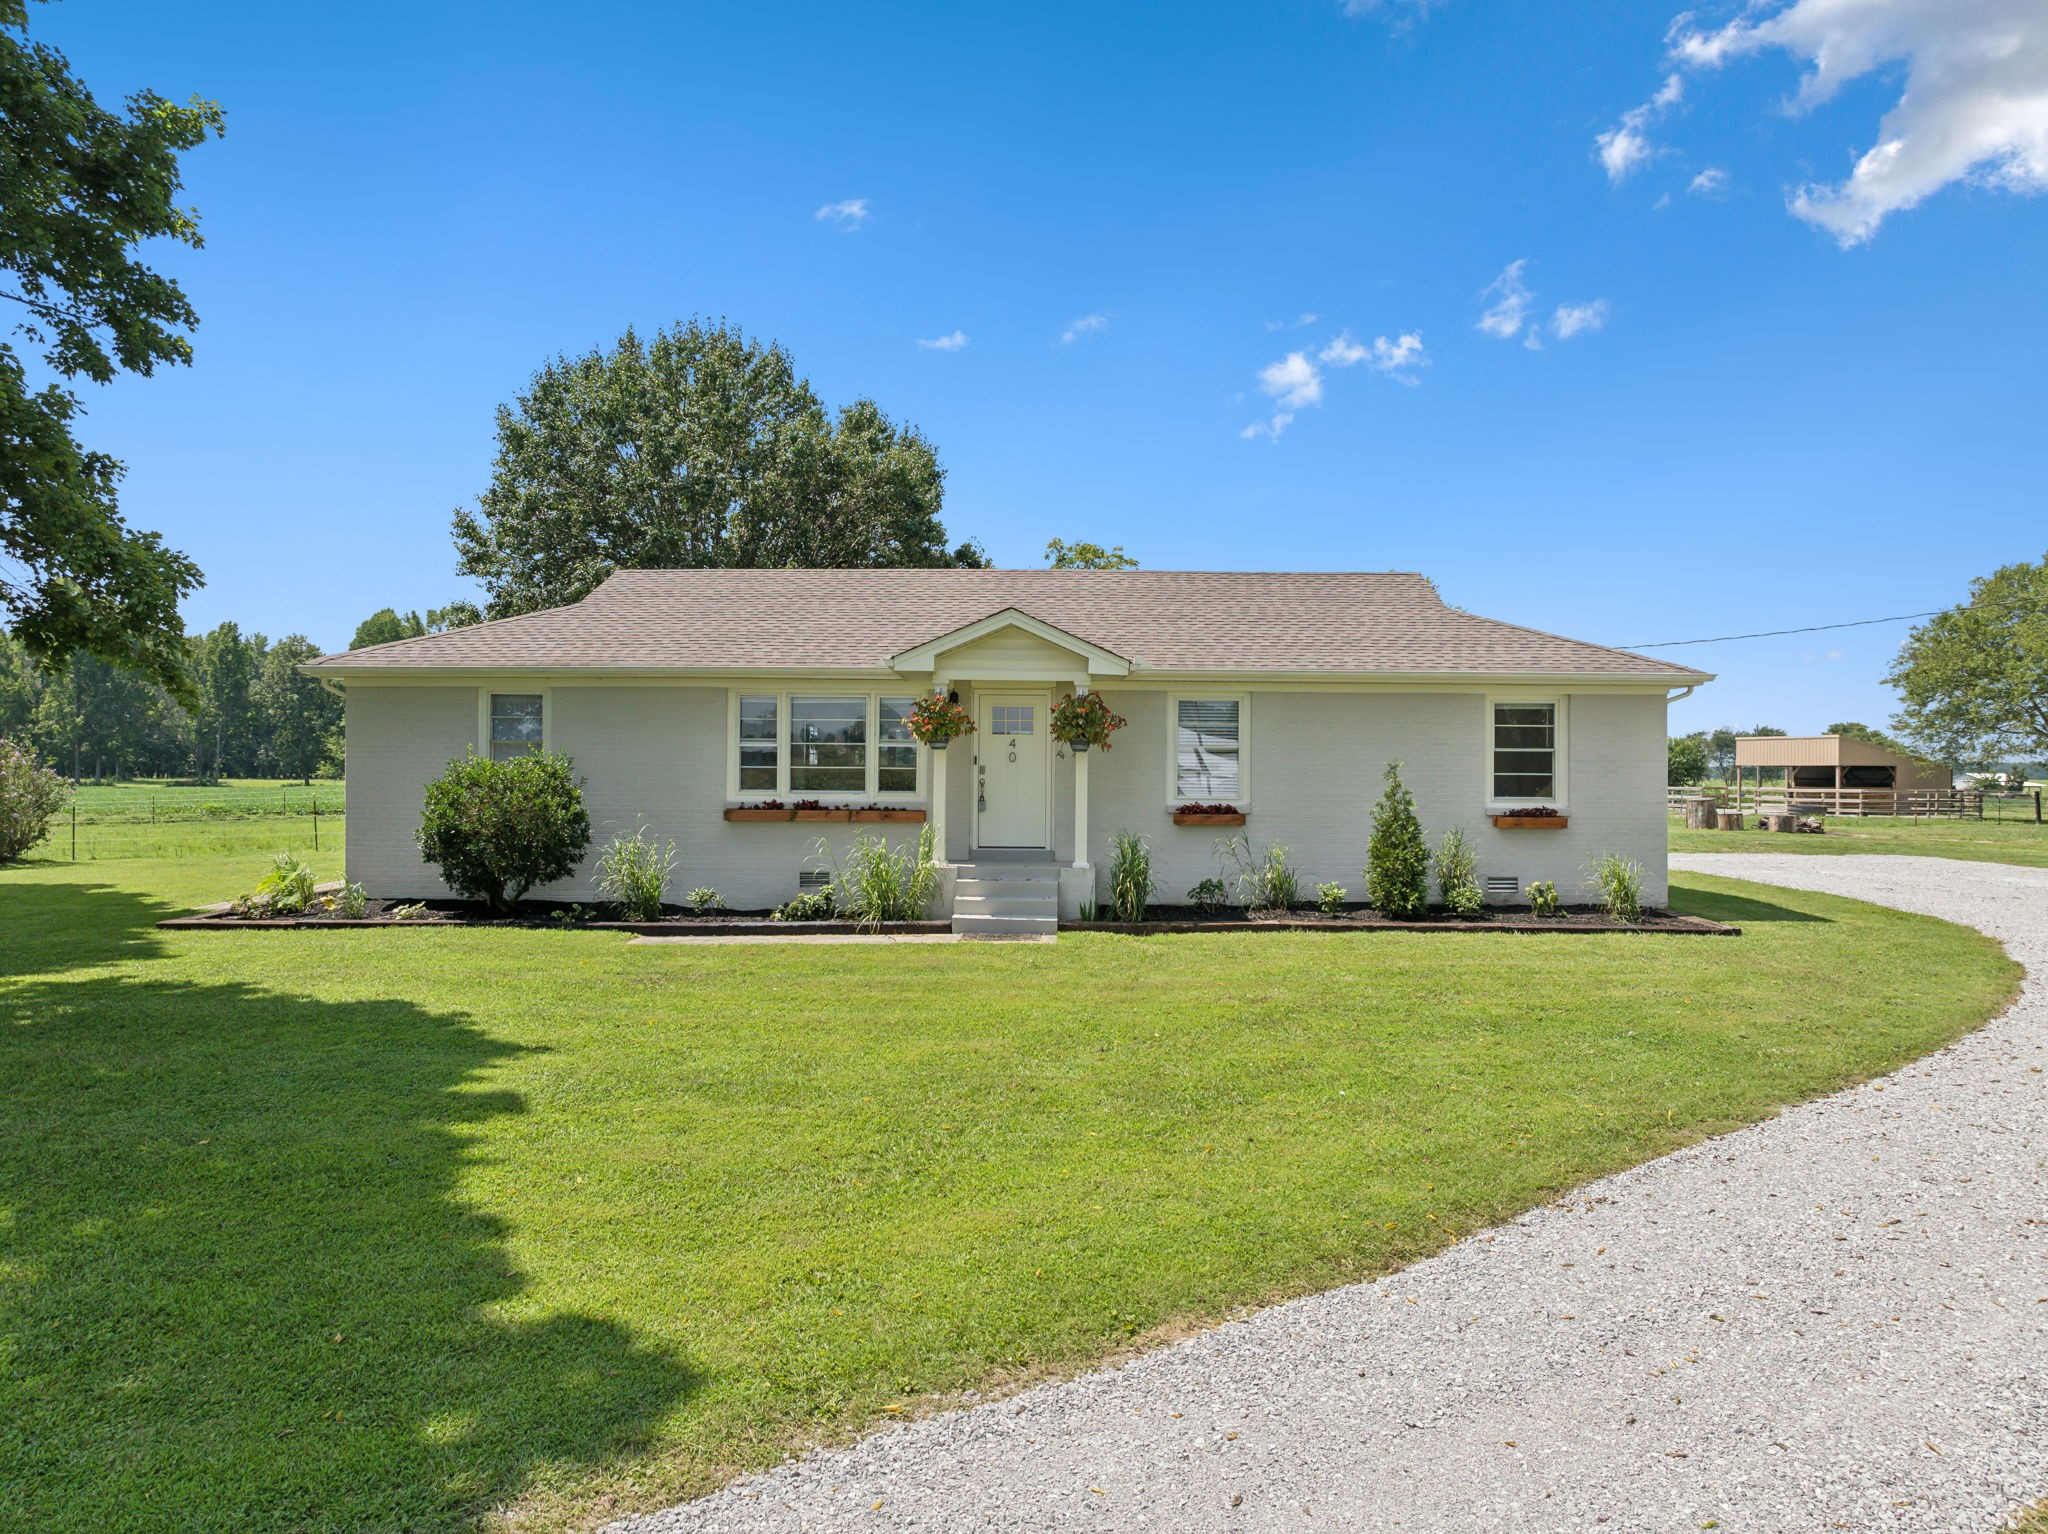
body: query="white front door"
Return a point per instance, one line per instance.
(1012, 771)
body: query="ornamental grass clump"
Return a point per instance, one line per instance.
(633, 873)
(1397, 862)
(878, 883)
(1266, 881)
(30, 797)
(1130, 876)
(1457, 875)
(1621, 888)
(497, 829)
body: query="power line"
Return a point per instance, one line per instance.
(1667, 644)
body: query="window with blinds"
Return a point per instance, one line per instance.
(842, 746)
(1208, 749)
(516, 724)
(1525, 750)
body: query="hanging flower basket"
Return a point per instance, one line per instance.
(1078, 723)
(936, 719)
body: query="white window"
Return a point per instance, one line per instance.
(517, 721)
(1524, 743)
(839, 746)
(1208, 749)
(1010, 718)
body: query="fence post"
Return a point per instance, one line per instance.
(2037, 806)
(74, 828)
(316, 824)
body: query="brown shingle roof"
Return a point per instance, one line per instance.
(1161, 620)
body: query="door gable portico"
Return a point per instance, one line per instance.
(1011, 645)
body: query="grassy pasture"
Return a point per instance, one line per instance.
(1977, 841)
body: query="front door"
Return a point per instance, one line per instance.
(1012, 769)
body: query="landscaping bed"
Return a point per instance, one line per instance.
(1173, 918)
(677, 922)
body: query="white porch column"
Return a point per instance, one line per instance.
(937, 811)
(1081, 794)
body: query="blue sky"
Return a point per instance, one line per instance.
(1702, 405)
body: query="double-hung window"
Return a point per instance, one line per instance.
(1208, 749)
(516, 722)
(1525, 744)
(842, 746)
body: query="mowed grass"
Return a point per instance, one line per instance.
(1976, 841)
(415, 1230)
(195, 849)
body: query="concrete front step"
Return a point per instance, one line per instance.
(1006, 900)
(967, 924)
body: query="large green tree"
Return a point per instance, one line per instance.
(298, 720)
(1062, 555)
(81, 188)
(698, 448)
(1974, 680)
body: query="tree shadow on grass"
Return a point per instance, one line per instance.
(239, 1286)
(53, 927)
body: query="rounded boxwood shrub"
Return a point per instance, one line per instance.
(496, 829)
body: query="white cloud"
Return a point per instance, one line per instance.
(1294, 381)
(1973, 107)
(845, 216)
(1571, 319)
(1343, 352)
(951, 343)
(1271, 428)
(1504, 317)
(1397, 359)
(1086, 325)
(1304, 318)
(1627, 145)
(1711, 182)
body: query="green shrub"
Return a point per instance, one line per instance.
(1543, 899)
(702, 900)
(1457, 875)
(1130, 875)
(497, 829)
(1397, 862)
(1330, 898)
(287, 890)
(633, 874)
(1265, 880)
(1621, 888)
(352, 903)
(817, 905)
(878, 883)
(30, 797)
(1208, 895)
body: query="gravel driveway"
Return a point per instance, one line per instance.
(1837, 1319)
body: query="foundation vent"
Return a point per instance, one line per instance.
(811, 879)
(1502, 887)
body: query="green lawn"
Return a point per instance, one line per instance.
(1979, 841)
(388, 1229)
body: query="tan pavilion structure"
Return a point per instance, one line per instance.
(1840, 775)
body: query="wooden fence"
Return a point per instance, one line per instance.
(1953, 803)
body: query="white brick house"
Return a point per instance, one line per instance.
(691, 698)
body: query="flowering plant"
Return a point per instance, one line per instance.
(1085, 720)
(938, 717)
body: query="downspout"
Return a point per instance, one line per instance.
(339, 688)
(1683, 692)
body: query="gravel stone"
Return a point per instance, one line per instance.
(1835, 1319)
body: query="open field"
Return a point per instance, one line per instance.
(1979, 841)
(387, 1229)
(155, 800)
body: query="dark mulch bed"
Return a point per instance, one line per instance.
(1578, 918)
(677, 921)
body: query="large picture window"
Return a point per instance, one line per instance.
(517, 721)
(839, 746)
(1525, 751)
(1208, 749)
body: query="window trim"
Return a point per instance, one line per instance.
(782, 693)
(483, 715)
(1560, 746)
(1243, 797)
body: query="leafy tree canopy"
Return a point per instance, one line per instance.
(1855, 731)
(1974, 680)
(1061, 555)
(82, 188)
(387, 623)
(1686, 761)
(699, 448)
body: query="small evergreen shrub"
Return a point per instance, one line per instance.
(633, 874)
(1457, 875)
(1621, 888)
(702, 900)
(1397, 862)
(1543, 899)
(1130, 875)
(1330, 898)
(814, 905)
(497, 829)
(30, 797)
(1266, 881)
(1208, 895)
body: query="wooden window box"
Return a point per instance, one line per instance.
(1183, 818)
(837, 817)
(1532, 822)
